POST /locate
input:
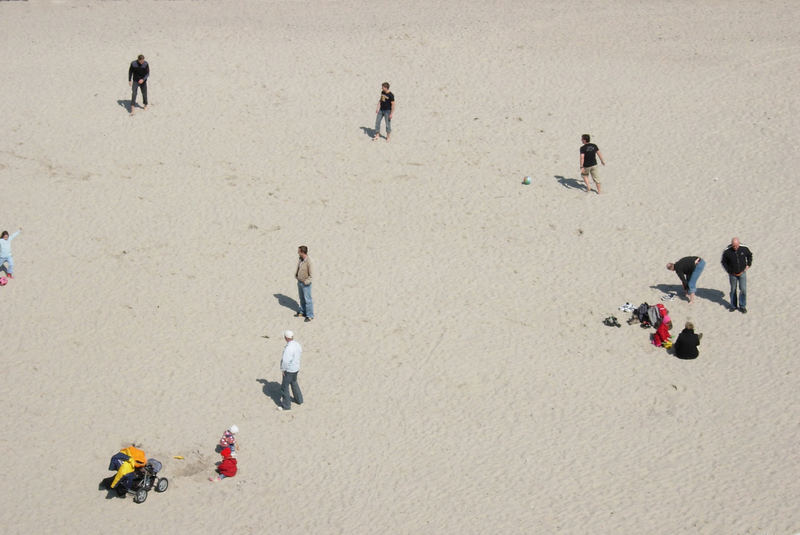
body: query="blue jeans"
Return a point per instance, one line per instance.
(10, 260)
(306, 304)
(698, 269)
(290, 379)
(383, 114)
(740, 281)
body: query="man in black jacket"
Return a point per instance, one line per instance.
(138, 73)
(736, 260)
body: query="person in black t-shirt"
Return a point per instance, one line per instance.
(385, 110)
(138, 73)
(589, 155)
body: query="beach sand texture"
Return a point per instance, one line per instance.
(458, 377)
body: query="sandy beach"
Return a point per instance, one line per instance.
(458, 377)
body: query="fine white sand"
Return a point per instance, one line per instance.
(458, 377)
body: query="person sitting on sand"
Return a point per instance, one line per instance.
(227, 468)
(687, 342)
(228, 439)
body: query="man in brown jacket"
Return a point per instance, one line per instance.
(303, 276)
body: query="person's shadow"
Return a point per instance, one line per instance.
(369, 132)
(272, 390)
(287, 302)
(127, 104)
(709, 294)
(570, 183)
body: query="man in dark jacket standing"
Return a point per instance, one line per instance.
(138, 73)
(736, 260)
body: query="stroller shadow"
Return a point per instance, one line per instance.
(715, 296)
(570, 183)
(105, 485)
(272, 390)
(370, 132)
(287, 302)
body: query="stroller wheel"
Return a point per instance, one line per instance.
(162, 484)
(140, 496)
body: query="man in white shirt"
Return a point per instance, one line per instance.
(5, 252)
(290, 366)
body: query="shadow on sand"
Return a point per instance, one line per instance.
(105, 486)
(272, 390)
(287, 302)
(570, 183)
(369, 132)
(715, 296)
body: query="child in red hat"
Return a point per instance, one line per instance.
(227, 468)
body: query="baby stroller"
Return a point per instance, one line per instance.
(146, 479)
(136, 476)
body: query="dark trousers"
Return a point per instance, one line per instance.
(134, 89)
(290, 379)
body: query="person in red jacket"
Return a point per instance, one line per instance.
(227, 468)
(662, 333)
